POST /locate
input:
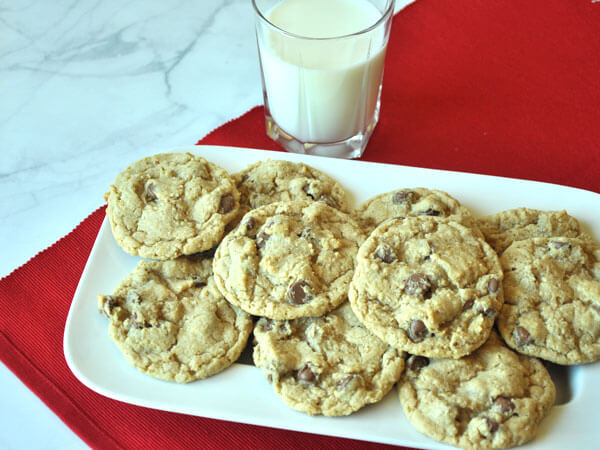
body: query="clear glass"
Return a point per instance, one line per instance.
(322, 94)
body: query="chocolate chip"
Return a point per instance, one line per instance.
(430, 212)
(261, 239)
(559, 244)
(226, 204)
(385, 253)
(403, 196)
(249, 223)
(344, 381)
(297, 293)
(305, 374)
(505, 404)
(149, 193)
(488, 312)
(417, 331)
(112, 303)
(306, 189)
(199, 282)
(270, 378)
(418, 285)
(492, 425)
(493, 285)
(431, 252)
(468, 305)
(108, 304)
(522, 336)
(416, 363)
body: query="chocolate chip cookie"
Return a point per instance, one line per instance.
(427, 285)
(493, 398)
(288, 259)
(413, 202)
(503, 228)
(330, 365)
(552, 293)
(274, 180)
(170, 321)
(171, 204)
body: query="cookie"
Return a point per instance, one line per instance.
(170, 321)
(171, 204)
(273, 181)
(330, 365)
(552, 299)
(503, 228)
(493, 398)
(428, 286)
(413, 202)
(288, 259)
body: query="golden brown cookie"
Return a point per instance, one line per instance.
(330, 365)
(288, 259)
(170, 321)
(171, 204)
(503, 228)
(552, 299)
(416, 201)
(428, 286)
(493, 398)
(276, 180)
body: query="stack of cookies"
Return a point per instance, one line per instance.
(167, 317)
(344, 304)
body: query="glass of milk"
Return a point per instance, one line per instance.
(322, 68)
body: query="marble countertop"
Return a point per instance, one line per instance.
(88, 87)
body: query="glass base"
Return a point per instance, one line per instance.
(352, 147)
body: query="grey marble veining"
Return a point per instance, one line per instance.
(87, 87)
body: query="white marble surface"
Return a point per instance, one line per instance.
(86, 87)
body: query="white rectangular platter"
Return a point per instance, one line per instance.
(241, 394)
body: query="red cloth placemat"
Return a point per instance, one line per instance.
(493, 87)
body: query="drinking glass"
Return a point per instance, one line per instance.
(322, 78)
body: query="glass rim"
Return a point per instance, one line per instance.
(384, 16)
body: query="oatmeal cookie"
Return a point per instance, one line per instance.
(552, 299)
(330, 365)
(171, 204)
(413, 202)
(275, 180)
(493, 398)
(170, 321)
(503, 228)
(427, 285)
(288, 259)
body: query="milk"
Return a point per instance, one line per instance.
(323, 90)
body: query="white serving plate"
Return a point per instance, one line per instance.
(241, 394)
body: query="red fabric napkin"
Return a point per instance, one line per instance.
(493, 87)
